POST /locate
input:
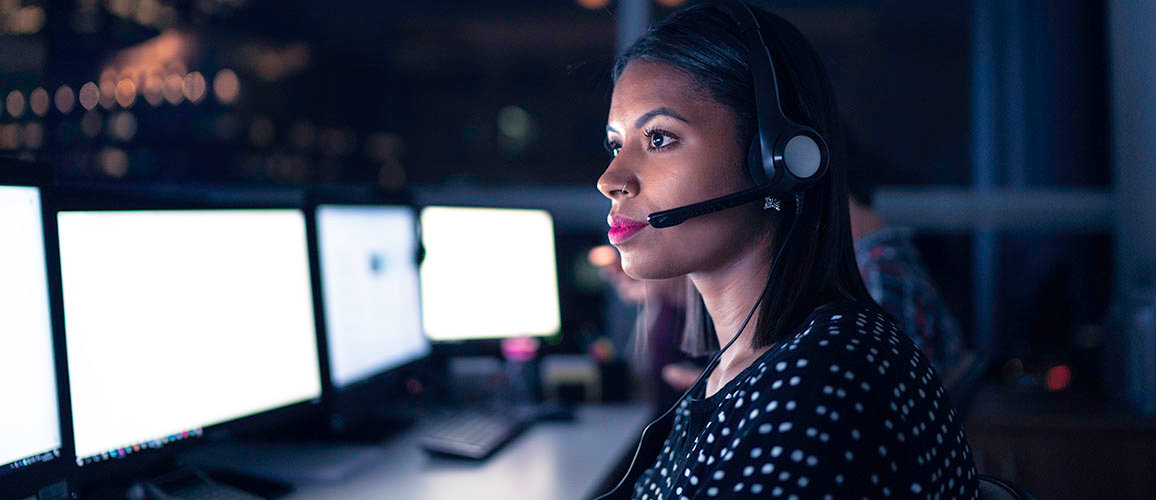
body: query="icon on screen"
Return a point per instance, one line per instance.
(377, 263)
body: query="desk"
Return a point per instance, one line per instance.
(1063, 445)
(551, 460)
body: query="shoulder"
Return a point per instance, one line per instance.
(847, 331)
(834, 370)
(848, 374)
(848, 403)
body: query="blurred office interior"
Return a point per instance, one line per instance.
(1014, 137)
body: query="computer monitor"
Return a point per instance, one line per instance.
(369, 283)
(31, 441)
(488, 273)
(178, 321)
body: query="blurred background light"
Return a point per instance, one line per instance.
(154, 89)
(226, 86)
(107, 93)
(92, 123)
(126, 93)
(593, 4)
(65, 99)
(89, 96)
(194, 87)
(10, 136)
(174, 88)
(14, 103)
(38, 102)
(33, 135)
(113, 162)
(514, 122)
(122, 126)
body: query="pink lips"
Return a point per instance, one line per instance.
(622, 228)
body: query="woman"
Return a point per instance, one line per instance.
(821, 396)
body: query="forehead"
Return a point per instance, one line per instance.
(645, 85)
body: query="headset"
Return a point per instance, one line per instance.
(783, 158)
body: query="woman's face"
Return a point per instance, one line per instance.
(675, 146)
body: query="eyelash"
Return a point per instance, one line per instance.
(651, 133)
(613, 147)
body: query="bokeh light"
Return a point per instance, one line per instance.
(122, 126)
(92, 123)
(194, 87)
(154, 90)
(514, 122)
(65, 99)
(226, 86)
(38, 102)
(107, 93)
(1058, 377)
(113, 162)
(33, 136)
(15, 103)
(89, 96)
(174, 89)
(593, 4)
(602, 255)
(10, 136)
(125, 93)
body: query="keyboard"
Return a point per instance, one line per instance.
(474, 434)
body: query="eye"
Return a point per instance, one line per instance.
(659, 139)
(612, 147)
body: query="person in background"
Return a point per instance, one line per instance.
(894, 273)
(657, 328)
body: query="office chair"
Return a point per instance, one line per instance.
(994, 488)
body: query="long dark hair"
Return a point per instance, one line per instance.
(818, 263)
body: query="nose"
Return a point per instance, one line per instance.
(617, 182)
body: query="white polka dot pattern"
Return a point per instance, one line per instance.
(846, 408)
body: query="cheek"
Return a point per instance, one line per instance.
(701, 244)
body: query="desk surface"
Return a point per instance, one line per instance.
(551, 460)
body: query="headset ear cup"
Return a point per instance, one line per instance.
(803, 157)
(760, 173)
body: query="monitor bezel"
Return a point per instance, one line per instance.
(350, 406)
(144, 197)
(27, 480)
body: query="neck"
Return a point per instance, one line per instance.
(729, 294)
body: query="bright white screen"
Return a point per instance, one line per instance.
(488, 273)
(369, 278)
(31, 423)
(178, 320)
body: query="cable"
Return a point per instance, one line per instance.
(710, 366)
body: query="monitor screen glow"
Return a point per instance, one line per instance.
(31, 423)
(488, 273)
(179, 320)
(369, 280)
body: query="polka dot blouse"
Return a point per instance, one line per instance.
(847, 408)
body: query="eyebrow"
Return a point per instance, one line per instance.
(649, 115)
(664, 111)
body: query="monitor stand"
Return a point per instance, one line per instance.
(310, 451)
(294, 463)
(121, 486)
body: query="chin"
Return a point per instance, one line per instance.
(648, 264)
